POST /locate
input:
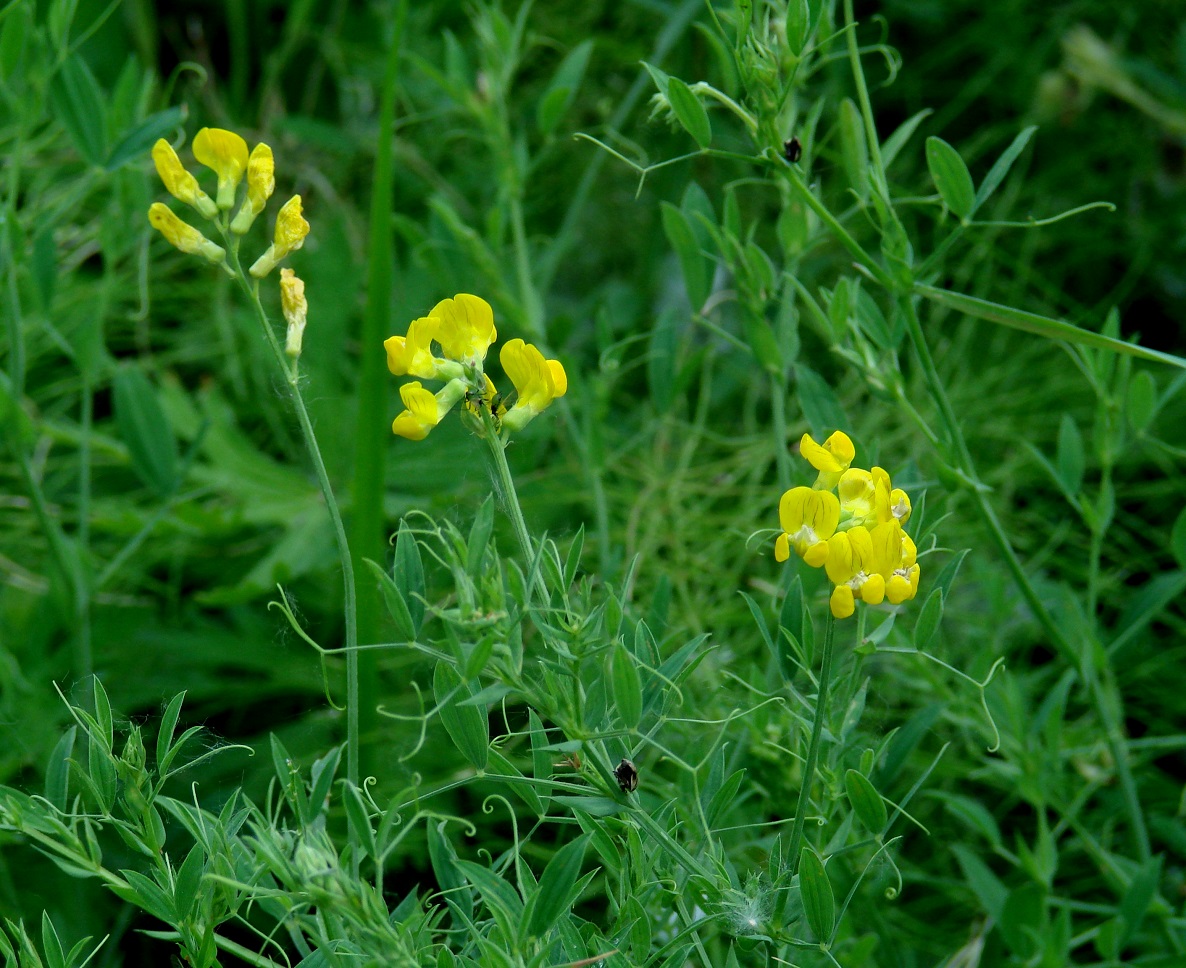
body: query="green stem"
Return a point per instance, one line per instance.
(511, 500)
(350, 604)
(817, 728)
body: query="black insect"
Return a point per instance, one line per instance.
(626, 773)
(792, 150)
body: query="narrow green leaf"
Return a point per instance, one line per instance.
(188, 881)
(1071, 459)
(819, 904)
(57, 773)
(984, 883)
(820, 405)
(479, 537)
(137, 142)
(103, 715)
(687, 249)
(397, 606)
(951, 177)
(79, 106)
(145, 429)
(541, 759)
(572, 561)
(1139, 896)
(798, 25)
(866, 801)
(1022, 918)
(358, 818)
(554, 895)
(561, 90)
(408, 573)
(467, 726)
(1041, 325)
(893, 145)
(1178, 539)
(928, 619)
(854, 150)
(689, 111)
(627, 689)
(51, 944)
(996, 174)
(164, 736)
(322, 776)
(1142, 400)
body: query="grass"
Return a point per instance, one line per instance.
(989, 774)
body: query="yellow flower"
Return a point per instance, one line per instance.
(424, 409)
(831, 460)
(808, 518)
(850, 566)
(858, 493)
(261, 182)
(183, 235)
(291, 229)
(412, 355)
(295, 308)
(178, 182)
(466, 328)
(224, 153)
(538, 382)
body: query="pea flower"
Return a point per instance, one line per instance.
(183, 235)
(291, 229)
(424, 408)
(412, 355)
(808, 518)
(537, 382)
(224, 153)
(178, 182)
(295, 309)
(831, 459)
(261, 182)
(466, 328)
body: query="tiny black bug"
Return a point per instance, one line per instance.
(626, 773)
(792, 150)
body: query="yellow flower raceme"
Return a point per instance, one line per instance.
(178, 182)
(291, 229)
(466, 328)
(224, 153)
(295, 308)
(538, 382)
(831, 459)
(261, 182)
(183, 235)
(808, 518)
(424, 408)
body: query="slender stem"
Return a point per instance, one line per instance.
(817, 728)
(511, 499)
(292, 377)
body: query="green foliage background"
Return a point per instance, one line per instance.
(149, 459)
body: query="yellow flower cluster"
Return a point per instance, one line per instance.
(225, 153)
(463, 330)
(850, 523)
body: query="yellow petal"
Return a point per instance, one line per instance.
(295, 308)
(261, 182)
(183, 235)
(178, 182)
(291, 228)
(225, 153)
(873, 590)
(817, 554)
(467, 327)
(841, 564)
(782, 548)
(559, 377)
(842, 602)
